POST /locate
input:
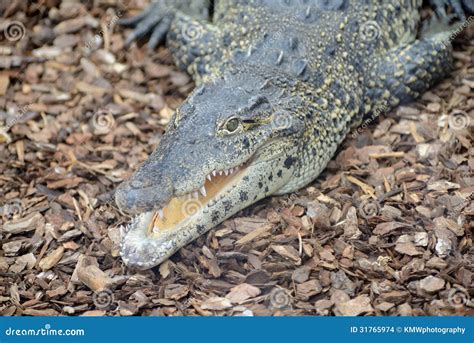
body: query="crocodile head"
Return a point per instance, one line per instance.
(232, 143)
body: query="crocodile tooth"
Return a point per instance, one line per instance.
(214, 173)
(209, 177)
(203, 191)
(196, 195)
(226, 172)
(220, 172)
(156, 230)
(160, 213)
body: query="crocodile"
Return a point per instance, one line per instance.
(279, 85)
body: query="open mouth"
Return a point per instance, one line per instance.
(181, 209)
(154, 236)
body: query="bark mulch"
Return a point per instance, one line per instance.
(385, 230)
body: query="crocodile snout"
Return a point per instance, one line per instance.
(135, 197)
(126, 198)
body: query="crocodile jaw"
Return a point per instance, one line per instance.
(144, 247)
(140, 251)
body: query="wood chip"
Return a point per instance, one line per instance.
(28, 223)
(240, 293)
(306, 290)
(388, 155)
(91, 275)
(52, 259)
(216, 304)
(431, 284)
(4, 82)
(287, 251)
(176, 291)
(355, 307)
(254, 234)
(365, 187)
(408, 248)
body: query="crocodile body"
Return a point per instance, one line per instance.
(280, 85)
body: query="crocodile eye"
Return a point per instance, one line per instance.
(233, 125)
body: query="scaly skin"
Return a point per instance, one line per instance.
(281, 83)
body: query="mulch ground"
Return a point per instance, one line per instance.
(385, 230)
